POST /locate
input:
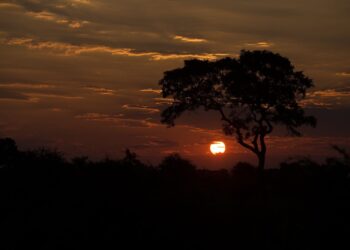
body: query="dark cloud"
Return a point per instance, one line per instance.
(156, 143)
(119, 120)
(11, 94)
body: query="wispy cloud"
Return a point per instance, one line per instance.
(327, 98)
(57, 96)
(9, 5)
(52, 17)
(15, 97)
(215, 133)
(160, 100)
(343, 92)
(260, 44)
(19, 41)
(34, 92)
(204, 56)
(141, 108)
(118, 119)
(56, 109)
(150, 90)
(316, 103)
(343, 74)
(100, 117)
(190, 40)
(26, 86)
(102, 91)
(70, 49)
(156, 143)
(82, 1)
(9, 94)
(44, 15)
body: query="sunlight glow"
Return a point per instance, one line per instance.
(217, 147)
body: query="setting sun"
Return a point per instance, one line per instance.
(217, 147)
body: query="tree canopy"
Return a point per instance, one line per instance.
(253, 93)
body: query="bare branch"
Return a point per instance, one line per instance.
(243, 143)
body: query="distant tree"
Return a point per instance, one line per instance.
(175, 164)
(80, 161)
(341, 165)
(8, 150)
(130, 159)
(45, 157)
(243, 168)
(252, 94)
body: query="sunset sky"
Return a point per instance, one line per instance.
(82, 75)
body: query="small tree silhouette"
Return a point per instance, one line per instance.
(174, 163)
(252, 94)
(8, 151)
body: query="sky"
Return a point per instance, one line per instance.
(82, 76)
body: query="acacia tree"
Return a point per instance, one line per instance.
(252, 93)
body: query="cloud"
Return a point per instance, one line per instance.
(160, 100)
(327, 98)
(44, 15)
(52, 17)
(35, 92)
(145, 109)
(102, 91)
(343, 74)
(260, 44)
(70, 49)
(119, 120)
(56, 109)
(156, 143)
(204, 56)
(9, 5)
(88, 2)
(216, 133)
(150, 90)
(100, 117)
(345, 92)
(308, 143)
(56, 96)
(19, 41)
(97, 50)
(76, 24)
(190, 40)
(26, 86)
(10, 94)
(314, 103)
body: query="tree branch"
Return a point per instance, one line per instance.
(224, 117)
(240, 139)
(270, 127)
(255, 142)
(243, 143)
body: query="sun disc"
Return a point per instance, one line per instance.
(217, 147)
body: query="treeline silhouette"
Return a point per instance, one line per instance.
(48, 202)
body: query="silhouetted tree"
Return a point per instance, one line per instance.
(46, 156)
(175, 164)
(339, 165)
(8, 150)
(130, 158)
(243, 168)
(80, 161)
(252, 94)
(49, 203)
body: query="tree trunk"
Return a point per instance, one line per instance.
(261, 164)
(260, 176)
(262, 154)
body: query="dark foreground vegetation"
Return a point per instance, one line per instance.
(50, 203)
